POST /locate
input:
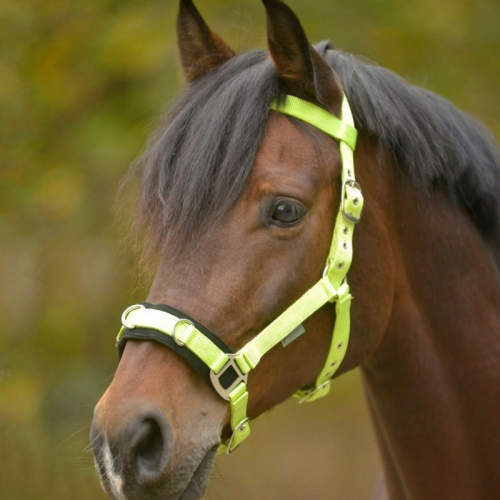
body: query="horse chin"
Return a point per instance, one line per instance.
(198, 482)
(187, 481)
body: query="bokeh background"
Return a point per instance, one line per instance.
(82, 85)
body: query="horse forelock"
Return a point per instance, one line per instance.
(197, 163)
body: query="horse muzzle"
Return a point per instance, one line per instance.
(137, 460)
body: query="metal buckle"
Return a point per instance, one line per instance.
(314, 391)
(239, 427)
(348, 215)
(215, 377)
(127, 312)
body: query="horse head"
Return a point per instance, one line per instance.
(248, 191)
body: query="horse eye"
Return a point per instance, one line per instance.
(286, 213)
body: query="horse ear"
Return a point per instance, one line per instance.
(200, 49)
(304, 72)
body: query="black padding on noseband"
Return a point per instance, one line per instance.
(227, 378)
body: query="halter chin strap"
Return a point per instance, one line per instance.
(227, 371)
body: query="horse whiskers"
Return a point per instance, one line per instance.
(89, 447)
(86, 426)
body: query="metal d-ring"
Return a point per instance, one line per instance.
(239, 427)
(174, 336)
(127, 312)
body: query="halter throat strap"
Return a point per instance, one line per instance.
(228, 371)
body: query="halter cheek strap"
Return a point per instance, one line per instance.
(227, 371)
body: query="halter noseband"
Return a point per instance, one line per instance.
(227, 371)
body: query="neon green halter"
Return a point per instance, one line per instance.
(332, 287)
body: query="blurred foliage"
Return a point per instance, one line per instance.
(83, 83)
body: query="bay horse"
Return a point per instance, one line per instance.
(242, 189)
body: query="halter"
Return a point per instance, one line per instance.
(227, 371)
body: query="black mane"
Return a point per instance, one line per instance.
(431, 140)
(199, 160)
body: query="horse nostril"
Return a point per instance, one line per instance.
(150, 445)
(149, 450)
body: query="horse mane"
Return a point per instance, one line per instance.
(430, 139)
(198, 161)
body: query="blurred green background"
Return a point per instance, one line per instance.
(82, 84)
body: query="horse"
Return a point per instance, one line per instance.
(273, 163)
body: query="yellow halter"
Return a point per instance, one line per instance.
(226, 371)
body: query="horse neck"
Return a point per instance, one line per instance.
(433, 385)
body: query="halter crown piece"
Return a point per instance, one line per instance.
(227, 371)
